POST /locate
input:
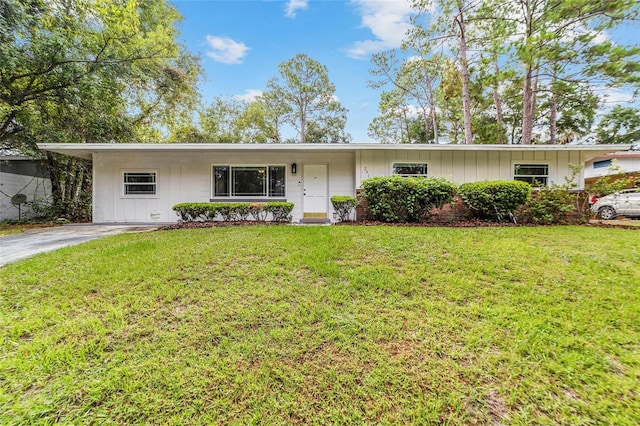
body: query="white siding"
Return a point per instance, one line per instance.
(186, 177)
(468, 166)
(626, 165)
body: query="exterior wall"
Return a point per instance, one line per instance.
(187, 177)
(24, 177)
(467, 166)
(625, 165)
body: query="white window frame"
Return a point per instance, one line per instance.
(139, 171)
(409, 162)
(231, 197)
(532, 163)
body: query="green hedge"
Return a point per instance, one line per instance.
(280, 210)
(405, 199)
(494, 200)
(552, 206)
(228, 212)
(343, 206)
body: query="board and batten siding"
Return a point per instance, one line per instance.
(467, 166)
(187, 177)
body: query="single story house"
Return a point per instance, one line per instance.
(23, 181)
(622, 163)
(141, 182)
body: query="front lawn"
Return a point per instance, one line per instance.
(340, 324)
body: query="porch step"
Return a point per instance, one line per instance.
(310, 220)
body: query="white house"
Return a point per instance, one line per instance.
(141, 182)
(613, 163)
(24, 179)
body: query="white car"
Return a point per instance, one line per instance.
(622, 203)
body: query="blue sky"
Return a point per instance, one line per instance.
(242, 42)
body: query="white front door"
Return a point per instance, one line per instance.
(315, 191)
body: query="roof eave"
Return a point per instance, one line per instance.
(86, 151)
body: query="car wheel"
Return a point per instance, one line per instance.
(607, 213)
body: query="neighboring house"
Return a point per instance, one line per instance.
(141, 182)
(621, 163)
(22, 175)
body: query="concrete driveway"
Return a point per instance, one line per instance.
(20, 246)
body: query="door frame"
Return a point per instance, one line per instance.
(316, 215)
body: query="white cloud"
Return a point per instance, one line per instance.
(249, 95)
(611, 97)
(388, 20)
(226, 50)
(293, 6)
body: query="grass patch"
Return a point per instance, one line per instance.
(343, 324)
(10, 228)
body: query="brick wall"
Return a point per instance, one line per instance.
(447, 214)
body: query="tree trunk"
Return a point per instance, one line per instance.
(527, 125)
(498, 104)
(70, 187)
(464, 70)
(426, 122)
(553, 119)
(434, 118)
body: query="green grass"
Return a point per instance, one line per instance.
(326, 325)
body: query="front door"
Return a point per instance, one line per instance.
(315, 191)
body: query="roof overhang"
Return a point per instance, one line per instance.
(87, 151)
(624, 154)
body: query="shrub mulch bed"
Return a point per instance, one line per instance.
(456, 224)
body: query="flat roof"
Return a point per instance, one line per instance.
(87, 150)
(623, 154)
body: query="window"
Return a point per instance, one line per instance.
(249, 181)
(601, 164)
(534, 174)
(410, 169)
(140, 183)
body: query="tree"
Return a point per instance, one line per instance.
(393, 125)
(414, 80)
(620, 125)
(305, 95)
(89, 71)
(219, 121)
(448, 20)
(562, 41)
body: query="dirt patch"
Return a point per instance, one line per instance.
(497, 408)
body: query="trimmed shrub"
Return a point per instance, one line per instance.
(405, 199)
(280, 210)
(551, 206)
(343, 205)
(258, 212)
(239, 211)
(192, 212)
(494, 200)
(225, 210)
(207, 212)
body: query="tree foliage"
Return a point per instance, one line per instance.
(90, 71)
(306, 97)
(525, 71)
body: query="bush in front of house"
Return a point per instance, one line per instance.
(343, 206)
(229, 212)
(193, 212)
(494, 200)
(258, 211)
(553, 206)
(280, 210)
(398, 199)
